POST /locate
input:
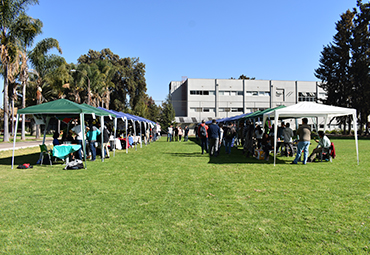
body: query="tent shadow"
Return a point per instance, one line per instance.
(186, 155)
(22, 159)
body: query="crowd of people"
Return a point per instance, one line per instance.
(176, 134)
(255, 138)
(91, 135)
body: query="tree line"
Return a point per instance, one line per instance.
(33, 76)
(344, 67)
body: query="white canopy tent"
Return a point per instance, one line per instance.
(310, 109)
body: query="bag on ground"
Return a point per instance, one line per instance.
(75, 164)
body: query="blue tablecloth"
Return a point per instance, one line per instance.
(62, 151)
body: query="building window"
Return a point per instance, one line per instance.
(224, 93)
(237, 109)
(196, 109)
(252, 93)
(208, 109)
(240, 93)
(306, 96)
(202, 92)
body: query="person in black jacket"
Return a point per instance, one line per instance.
(106, 134)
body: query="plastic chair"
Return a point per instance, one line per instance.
(44, 151)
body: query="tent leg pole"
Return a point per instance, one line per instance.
(101, 140)
(82, 120)
(15, 138)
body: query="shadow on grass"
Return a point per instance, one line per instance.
(22, 159)
(236, 156)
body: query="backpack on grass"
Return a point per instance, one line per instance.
(74, 165)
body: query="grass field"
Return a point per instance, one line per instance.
(167, 198)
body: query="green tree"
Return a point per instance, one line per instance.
(335, 62)
(10, 35)
(167, 115)
(360, 69)
(42, 64)
(243, 77)
(128, 85)
(32, 28)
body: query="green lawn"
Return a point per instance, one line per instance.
(167, 198)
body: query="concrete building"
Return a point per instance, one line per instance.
(198, 99)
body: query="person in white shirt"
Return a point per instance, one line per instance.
(169, 133)
(323, 143)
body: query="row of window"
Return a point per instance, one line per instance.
(302, 96)
(306, 97)
(229, 93)
(205, 109)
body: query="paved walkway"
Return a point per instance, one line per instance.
(22, 145)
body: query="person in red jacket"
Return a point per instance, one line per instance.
(203, 134)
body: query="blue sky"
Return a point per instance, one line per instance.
(279, 40)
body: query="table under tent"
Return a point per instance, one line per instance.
(310, 110)
(63, 108)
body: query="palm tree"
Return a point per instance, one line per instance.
(31, 27)
(10, 10)
(108, 71)
(42, 64)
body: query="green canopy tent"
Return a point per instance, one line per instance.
(61, 107)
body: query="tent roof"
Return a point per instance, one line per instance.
(61, 106)
(100, 111)
(266, 111)
(309, 109)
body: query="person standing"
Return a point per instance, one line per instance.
(106, 135)
(288, 140)
(186, 136)
(214, 134)
(203, 134)
(91, 136)
(180, 133)
(280, 137)
(304, 133)
(229, 134)
(249, 140)
(169, 133)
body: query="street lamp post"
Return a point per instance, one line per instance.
(88, 86)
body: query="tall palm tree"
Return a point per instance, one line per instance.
(42, 64)
(10, 34)
(32, 28)
(108, 71)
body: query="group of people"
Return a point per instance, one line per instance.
(90, 135)
(176, 133)
(253, 138)
(212, 137)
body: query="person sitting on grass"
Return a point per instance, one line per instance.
(323, 144)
